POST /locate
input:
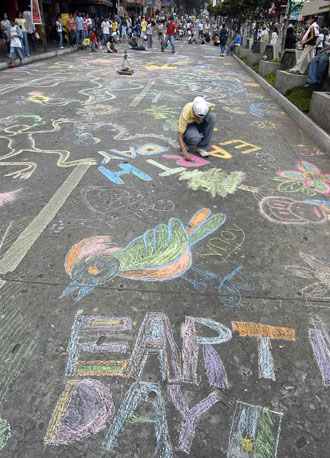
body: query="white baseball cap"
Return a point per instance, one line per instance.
(200, 107)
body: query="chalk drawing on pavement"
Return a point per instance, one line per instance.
(307, 178)
(162, 253)
(214, 181)
(317, 270)
(9, 196)
(5, 433)
(265, 334)
(227, 242)
(21, 140)
(84, 408)
(255, 431)
(319, 337)
(285, 210)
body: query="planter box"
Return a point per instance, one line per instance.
(290, 58)
(253, 58)
(272, 52)
(285, 80)
(242, 52)
(265, 68)
(320, 109)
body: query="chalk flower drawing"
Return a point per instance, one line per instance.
(162, 253)
(308, 177)
(214, 181)
(319, 270)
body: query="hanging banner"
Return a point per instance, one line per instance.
(35, 12)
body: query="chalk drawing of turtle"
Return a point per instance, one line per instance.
(162, 253)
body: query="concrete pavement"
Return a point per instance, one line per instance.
(150, 306)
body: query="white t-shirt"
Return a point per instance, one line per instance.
(105, 27)
(15, 41)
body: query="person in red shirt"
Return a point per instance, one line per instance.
(171, 30)
(92, 38)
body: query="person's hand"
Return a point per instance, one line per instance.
(186, 155)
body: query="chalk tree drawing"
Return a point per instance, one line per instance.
(9, 196)
(284, 210)
(308, 179)
(318, 270)
(162, 253)
(20, 140)
(214, 181)
(254, 432)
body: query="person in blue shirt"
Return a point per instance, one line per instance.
(237, 42)
(80, 26)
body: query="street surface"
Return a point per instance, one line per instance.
(153, 307)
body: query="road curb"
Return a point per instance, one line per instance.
(36, 58)
(307, 124)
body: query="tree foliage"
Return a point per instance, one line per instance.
(241, 8)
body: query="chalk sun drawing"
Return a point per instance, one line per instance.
(21, 140)
(162, 253)
(318, 270)
(214, 181)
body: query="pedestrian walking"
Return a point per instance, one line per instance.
(223, 35)
(80, 27)
(170, 31)
(16, 49)
(105, 27)
(195, 128)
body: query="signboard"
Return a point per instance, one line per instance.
(35, 12)
(295, 9)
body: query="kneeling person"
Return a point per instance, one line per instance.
(195, 127)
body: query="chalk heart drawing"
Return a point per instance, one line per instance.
(162, 253)
(307, 178)
(284, 210)
(20, 137)
(318, 270)
(4, 433)
(214, 181)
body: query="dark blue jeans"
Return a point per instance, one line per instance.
(199, 135)
(318, 68)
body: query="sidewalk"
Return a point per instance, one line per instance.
(39, 54)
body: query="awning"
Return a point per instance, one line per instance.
(94, 2)
(315, 7)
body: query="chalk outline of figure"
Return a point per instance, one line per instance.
(162, 253)
(24, 136)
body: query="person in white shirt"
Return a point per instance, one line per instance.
(31, 29)
(59, 30)
(16, 50)
(105, 27)
(308, 41)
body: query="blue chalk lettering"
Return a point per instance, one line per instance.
(125, 170)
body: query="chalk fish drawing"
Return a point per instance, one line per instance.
(318, 270)
(254, 432)
(10, 196)
(162, 253)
